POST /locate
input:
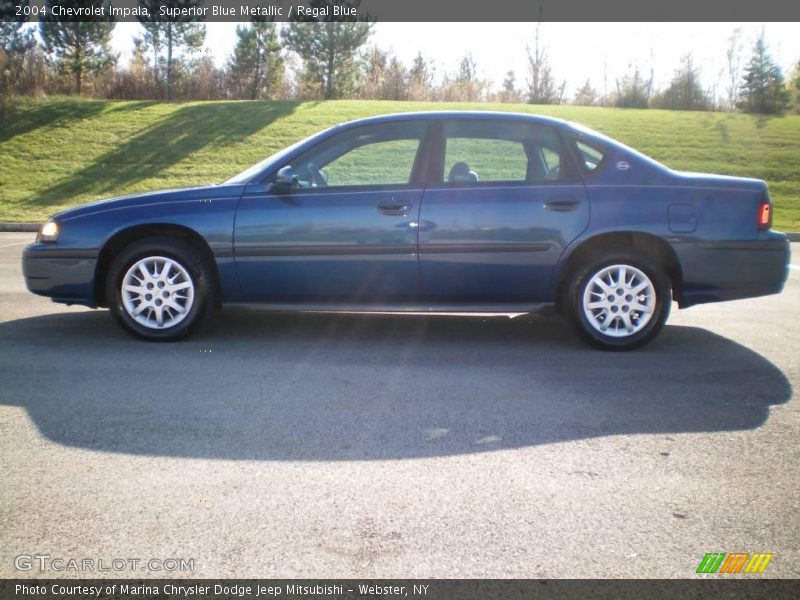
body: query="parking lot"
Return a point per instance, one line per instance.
(383, 446)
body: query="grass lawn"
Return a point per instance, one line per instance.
(63, 151)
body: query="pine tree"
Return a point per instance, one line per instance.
(13, 38)
(586, 96)
(684, 91)
(79, 47)
(420, 78)
(633, 90)
(15, 43)
(170, 34)
(328, 50)
(763, 90)
(395, 84)
(256, 66)
(509, 92)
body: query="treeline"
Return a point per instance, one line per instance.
(313, 60)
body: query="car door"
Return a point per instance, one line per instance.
(504, 200)
(346, 231)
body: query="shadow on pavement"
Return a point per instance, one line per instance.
(330, 387)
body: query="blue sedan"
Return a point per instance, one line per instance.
(435, 211)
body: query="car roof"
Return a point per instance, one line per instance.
(456, 114)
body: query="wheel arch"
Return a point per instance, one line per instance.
(125, 237)
(636, 241)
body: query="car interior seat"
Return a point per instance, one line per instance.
(460, 173)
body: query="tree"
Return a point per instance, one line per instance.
(375, 72)
(542, 86)
(470, 86)
(586, 96)
(13, 38)
(509, 93)
(395, 84)
(794, 87)
(420, 78)
(684, 91)
(256, 66)
(328, 50)
(633, 90)
(464, 85)
(79, 47)
(15, 43)
(763, 91)
(171, 32)
(733, 57)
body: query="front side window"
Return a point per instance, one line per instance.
(372, 155)
(499, 151)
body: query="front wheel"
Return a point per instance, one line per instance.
(619, 301)
(159, 289)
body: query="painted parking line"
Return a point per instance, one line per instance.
(15, 244)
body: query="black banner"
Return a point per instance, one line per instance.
(427, 589)
(416, 10)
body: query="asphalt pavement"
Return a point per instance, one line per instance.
(308, 445)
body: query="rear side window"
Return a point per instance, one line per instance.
(590, 156)
(501, 151)
(495, 160)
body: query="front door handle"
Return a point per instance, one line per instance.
(562, 204)
(394, 207)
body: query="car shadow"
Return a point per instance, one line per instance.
(262, 386)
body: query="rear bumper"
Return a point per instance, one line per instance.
(731, 270)
(65, 276)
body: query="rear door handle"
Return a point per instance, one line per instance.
(562, 204)
(394, 206)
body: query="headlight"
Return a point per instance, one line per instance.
(48, 232)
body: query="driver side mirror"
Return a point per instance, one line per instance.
(285, 178)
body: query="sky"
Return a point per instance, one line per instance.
(577, 51)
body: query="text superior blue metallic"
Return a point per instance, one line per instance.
(425, 211)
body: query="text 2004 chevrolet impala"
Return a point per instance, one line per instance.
(446, 211)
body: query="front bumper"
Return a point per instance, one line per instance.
(731, 270)
(65, 276)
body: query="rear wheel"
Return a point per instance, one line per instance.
(619, 301)
(159, 289)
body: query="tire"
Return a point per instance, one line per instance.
(176, 298)
(614, 317)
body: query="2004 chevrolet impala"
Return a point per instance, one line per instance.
(440, 211)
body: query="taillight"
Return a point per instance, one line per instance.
(765, 212)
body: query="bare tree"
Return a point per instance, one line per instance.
(542, 86)
(733, 57)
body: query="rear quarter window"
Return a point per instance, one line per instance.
(589, 155)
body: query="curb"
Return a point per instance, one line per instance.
(19, 227)
(794, 236)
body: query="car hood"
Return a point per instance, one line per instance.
(149, 198)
